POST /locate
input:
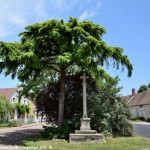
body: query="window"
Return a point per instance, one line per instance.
(13, 100)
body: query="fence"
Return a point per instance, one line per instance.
(19, 120)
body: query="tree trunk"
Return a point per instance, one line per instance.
(62, 98)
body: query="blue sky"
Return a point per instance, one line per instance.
(127, 25)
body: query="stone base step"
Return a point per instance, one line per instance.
(90, 138)
(85, 132)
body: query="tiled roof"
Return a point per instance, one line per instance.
(139, 99)
(7, 92)
(127, 98)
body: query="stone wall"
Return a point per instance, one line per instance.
(140, 111)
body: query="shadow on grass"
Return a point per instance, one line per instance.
(34, 139)
(17, 136)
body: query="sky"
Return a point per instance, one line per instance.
(127, 26)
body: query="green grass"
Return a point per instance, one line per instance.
(121, 143)
(3, 125)
(137, 120)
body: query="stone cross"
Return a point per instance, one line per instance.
(84, 77)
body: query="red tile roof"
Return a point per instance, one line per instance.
(7, 92)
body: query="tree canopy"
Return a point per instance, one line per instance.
(58, 46)
(143, 88)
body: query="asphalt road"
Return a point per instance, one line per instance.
(10, 137)
(142, 129)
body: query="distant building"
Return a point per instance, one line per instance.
(12, 95)
(139, 103)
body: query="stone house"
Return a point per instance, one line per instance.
(11, 94)
(139, 104)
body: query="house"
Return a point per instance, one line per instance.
(139, 104)
(12, 95)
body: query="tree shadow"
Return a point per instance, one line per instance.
(35, 139)
(15, 137)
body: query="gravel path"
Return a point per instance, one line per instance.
(10, 137)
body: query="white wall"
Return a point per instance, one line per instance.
(143, 111)
(14, 99)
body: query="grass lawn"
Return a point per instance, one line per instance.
(3, 125)
(121, 143)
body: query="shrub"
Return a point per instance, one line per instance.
(134, 119)
(148, 119)
(110, 114)
(22, 108)
(58, 132)
(13, 124)
(142, 118)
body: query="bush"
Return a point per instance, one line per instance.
(13, 124)
(110, 114)
(134, 119)
(142, 118)
(148, 119)
(58, 132)
(22, 108)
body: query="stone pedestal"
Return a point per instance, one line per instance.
(85, 134)
(85, 124)
(83, 137)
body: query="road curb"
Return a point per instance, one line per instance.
(141, 123)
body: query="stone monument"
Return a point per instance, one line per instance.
(85, 134)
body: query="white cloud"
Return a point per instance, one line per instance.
(40, 9)
(18, 20)
(87, 14)
(10, 18)
(92, 10)
(64, 5)
(16, 14)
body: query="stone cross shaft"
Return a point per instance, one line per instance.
(84, 77)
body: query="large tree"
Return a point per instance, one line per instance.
(58, 46)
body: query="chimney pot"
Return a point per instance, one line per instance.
(133, 91)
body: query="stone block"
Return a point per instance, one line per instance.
(85, 132)
(85, 124)
(89, 138)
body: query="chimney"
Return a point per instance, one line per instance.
(133, 92)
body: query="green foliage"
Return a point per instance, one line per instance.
(108, 112)
(142, 118)
(22, 108)
(42, 47)
(3, 125)
(148, 120)
(58, 46)
(59, 132)
(5, 108)
(143, 88)
(13, 124)
(136, 119)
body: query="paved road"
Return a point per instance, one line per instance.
(142, 129)
(12, 136)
